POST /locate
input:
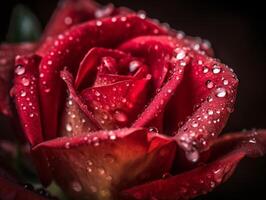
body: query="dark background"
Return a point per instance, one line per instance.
(236, 31)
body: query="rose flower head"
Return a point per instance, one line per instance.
(118, 106)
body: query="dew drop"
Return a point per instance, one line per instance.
(120, 116)
(153, 129)
(67, 145)
(69, 127)
(93, 189)
(195, 124)
(210, 112)
(25, 81)
(133, 66)
(193, 156)
(220, 92)
(23, 93)
(180, 55)
(216, 69)
(19, 70)
(225, 82)
(205, 70)
(209, 84)
(76, 186)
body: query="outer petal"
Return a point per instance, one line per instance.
(7, 59)
(69, 49)
(12, 191)
(158, 52)
(205, 178)
(209, 103)
(25, 92)
(97, 165)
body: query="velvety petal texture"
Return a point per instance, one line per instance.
(204, 178)
(8, 53)
(117, 106)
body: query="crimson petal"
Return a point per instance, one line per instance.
(205, 178)
(96, 165)
(7, 59)
(12, 191)
(212, 87)
(69, 49)
(25, 92)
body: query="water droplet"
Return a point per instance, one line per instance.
(76, 186)
(67, 145)
(20, 70)
(93, 189)
(210, 112)
(23, 93)
(99, 23)
(25, 81)
(225, 82)
(120, 116)
(195, 124)
(134, 65)
(209, 84)
(166, 175)
(68, 20)
(180, 54)
(153, 129)
(68, 127)
(101, 171)
(89, 169)
(47, 90)
(216, 69)
(220, 92)
(205, 70)
(97, 93)
(192, 156)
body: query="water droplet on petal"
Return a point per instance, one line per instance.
(23, 93)
(209, 84)
(67, 145)
(25, 81)
(220, 92)
(68, 127)
(120, 116)
(20, 70)
(76, 186)
(216, 69)
(225, 82)
(193, 156)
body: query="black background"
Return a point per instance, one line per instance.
(236, 31)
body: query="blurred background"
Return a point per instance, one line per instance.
(236, 32)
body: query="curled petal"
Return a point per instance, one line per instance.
(209, 103)
(205, 178)
(98, 164)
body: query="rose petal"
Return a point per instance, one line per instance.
(209, 102)
(92, 60)
(25, 92)
(67, 77)
(69, 49)
(205, 178)
(7, 59)
(12, 191)
(117, 105)
(98, 164)
(158, 52)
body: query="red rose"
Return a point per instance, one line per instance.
(120, 107)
